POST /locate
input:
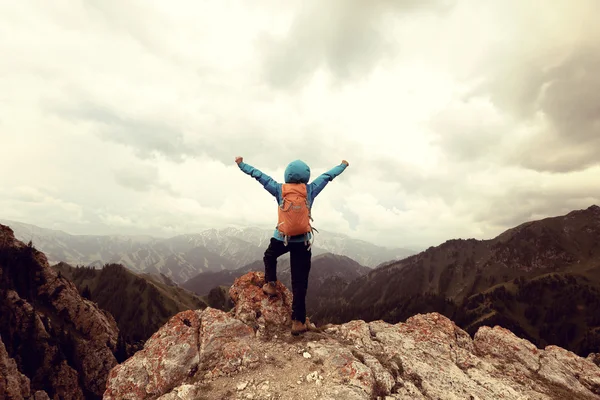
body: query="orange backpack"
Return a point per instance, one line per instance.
(294, 212)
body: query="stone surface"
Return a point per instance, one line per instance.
(427, 357)
(209, 342)
(252, 306)
(168, 357)
(226, 343)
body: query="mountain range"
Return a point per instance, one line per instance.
(474, 282)
(326, 270)
(65, 331)
(184, 256)
(540, 279)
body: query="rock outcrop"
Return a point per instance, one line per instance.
(248, 353)
(13, 384)
(254, 308)
(62, 343)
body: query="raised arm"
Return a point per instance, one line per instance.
(268, 183)
(322, 180)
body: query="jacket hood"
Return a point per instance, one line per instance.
(297, 172)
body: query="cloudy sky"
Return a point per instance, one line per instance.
(458, 118)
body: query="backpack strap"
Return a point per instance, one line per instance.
(309, 210)
(282, 206)
(311, 238)
(285, 237)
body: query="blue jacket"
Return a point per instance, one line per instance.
(296, 172)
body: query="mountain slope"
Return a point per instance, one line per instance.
(239, 246)
(140, 303)
(63, 343)
(324, 268)
(474, 282)
(557, 308)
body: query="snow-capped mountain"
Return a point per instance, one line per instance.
(184, 256)
(244, 245)
(138, 253)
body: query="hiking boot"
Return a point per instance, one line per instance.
(298, 327)
(269, 288)
(309, 325)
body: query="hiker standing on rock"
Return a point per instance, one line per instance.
(293, 232)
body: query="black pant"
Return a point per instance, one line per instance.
(300, 259)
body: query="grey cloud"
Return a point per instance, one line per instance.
(350, 216)
(572, 96)
(270, 147)
(36, 203)
(141, 179)
(568, 96)
(222, 139)
(345, 36)
(446, 184)
(232, 114)
(491, 208)
(466, 138)
(146, 25)
(147, 137)
(28, 195)
(523, 204)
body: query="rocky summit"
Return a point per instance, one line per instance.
(248, 353)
